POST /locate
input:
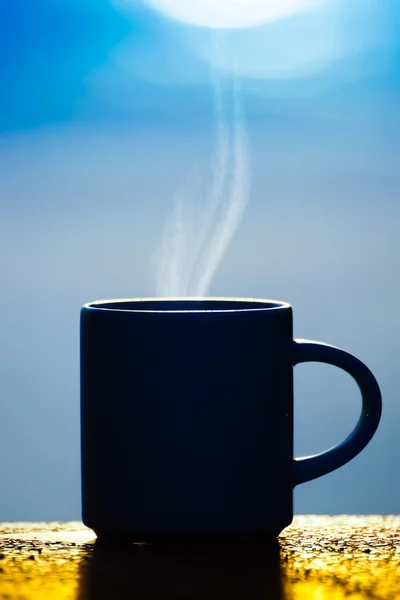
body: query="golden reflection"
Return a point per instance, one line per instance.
(345, 557)
(318, 558)
(41, 560)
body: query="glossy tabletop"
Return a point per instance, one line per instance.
(317, 558)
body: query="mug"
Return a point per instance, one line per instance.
(187, 417)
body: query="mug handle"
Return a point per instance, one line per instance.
(311, 467)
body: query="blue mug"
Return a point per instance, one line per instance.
(187, 417)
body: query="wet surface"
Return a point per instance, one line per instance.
(317, 558)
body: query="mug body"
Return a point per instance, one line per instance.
(187, 417)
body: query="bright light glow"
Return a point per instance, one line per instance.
(230, 13)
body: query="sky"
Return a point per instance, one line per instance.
(107, 111)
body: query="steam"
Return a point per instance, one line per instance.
(203, 220)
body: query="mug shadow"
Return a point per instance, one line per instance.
(150, 572)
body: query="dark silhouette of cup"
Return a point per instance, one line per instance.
(187, 418)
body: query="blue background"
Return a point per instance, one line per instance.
(103, 110)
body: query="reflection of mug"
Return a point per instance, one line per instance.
(187, 416)
(237, 572)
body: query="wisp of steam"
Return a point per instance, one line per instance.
(204, 218)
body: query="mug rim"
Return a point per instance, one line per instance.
(255, 304)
